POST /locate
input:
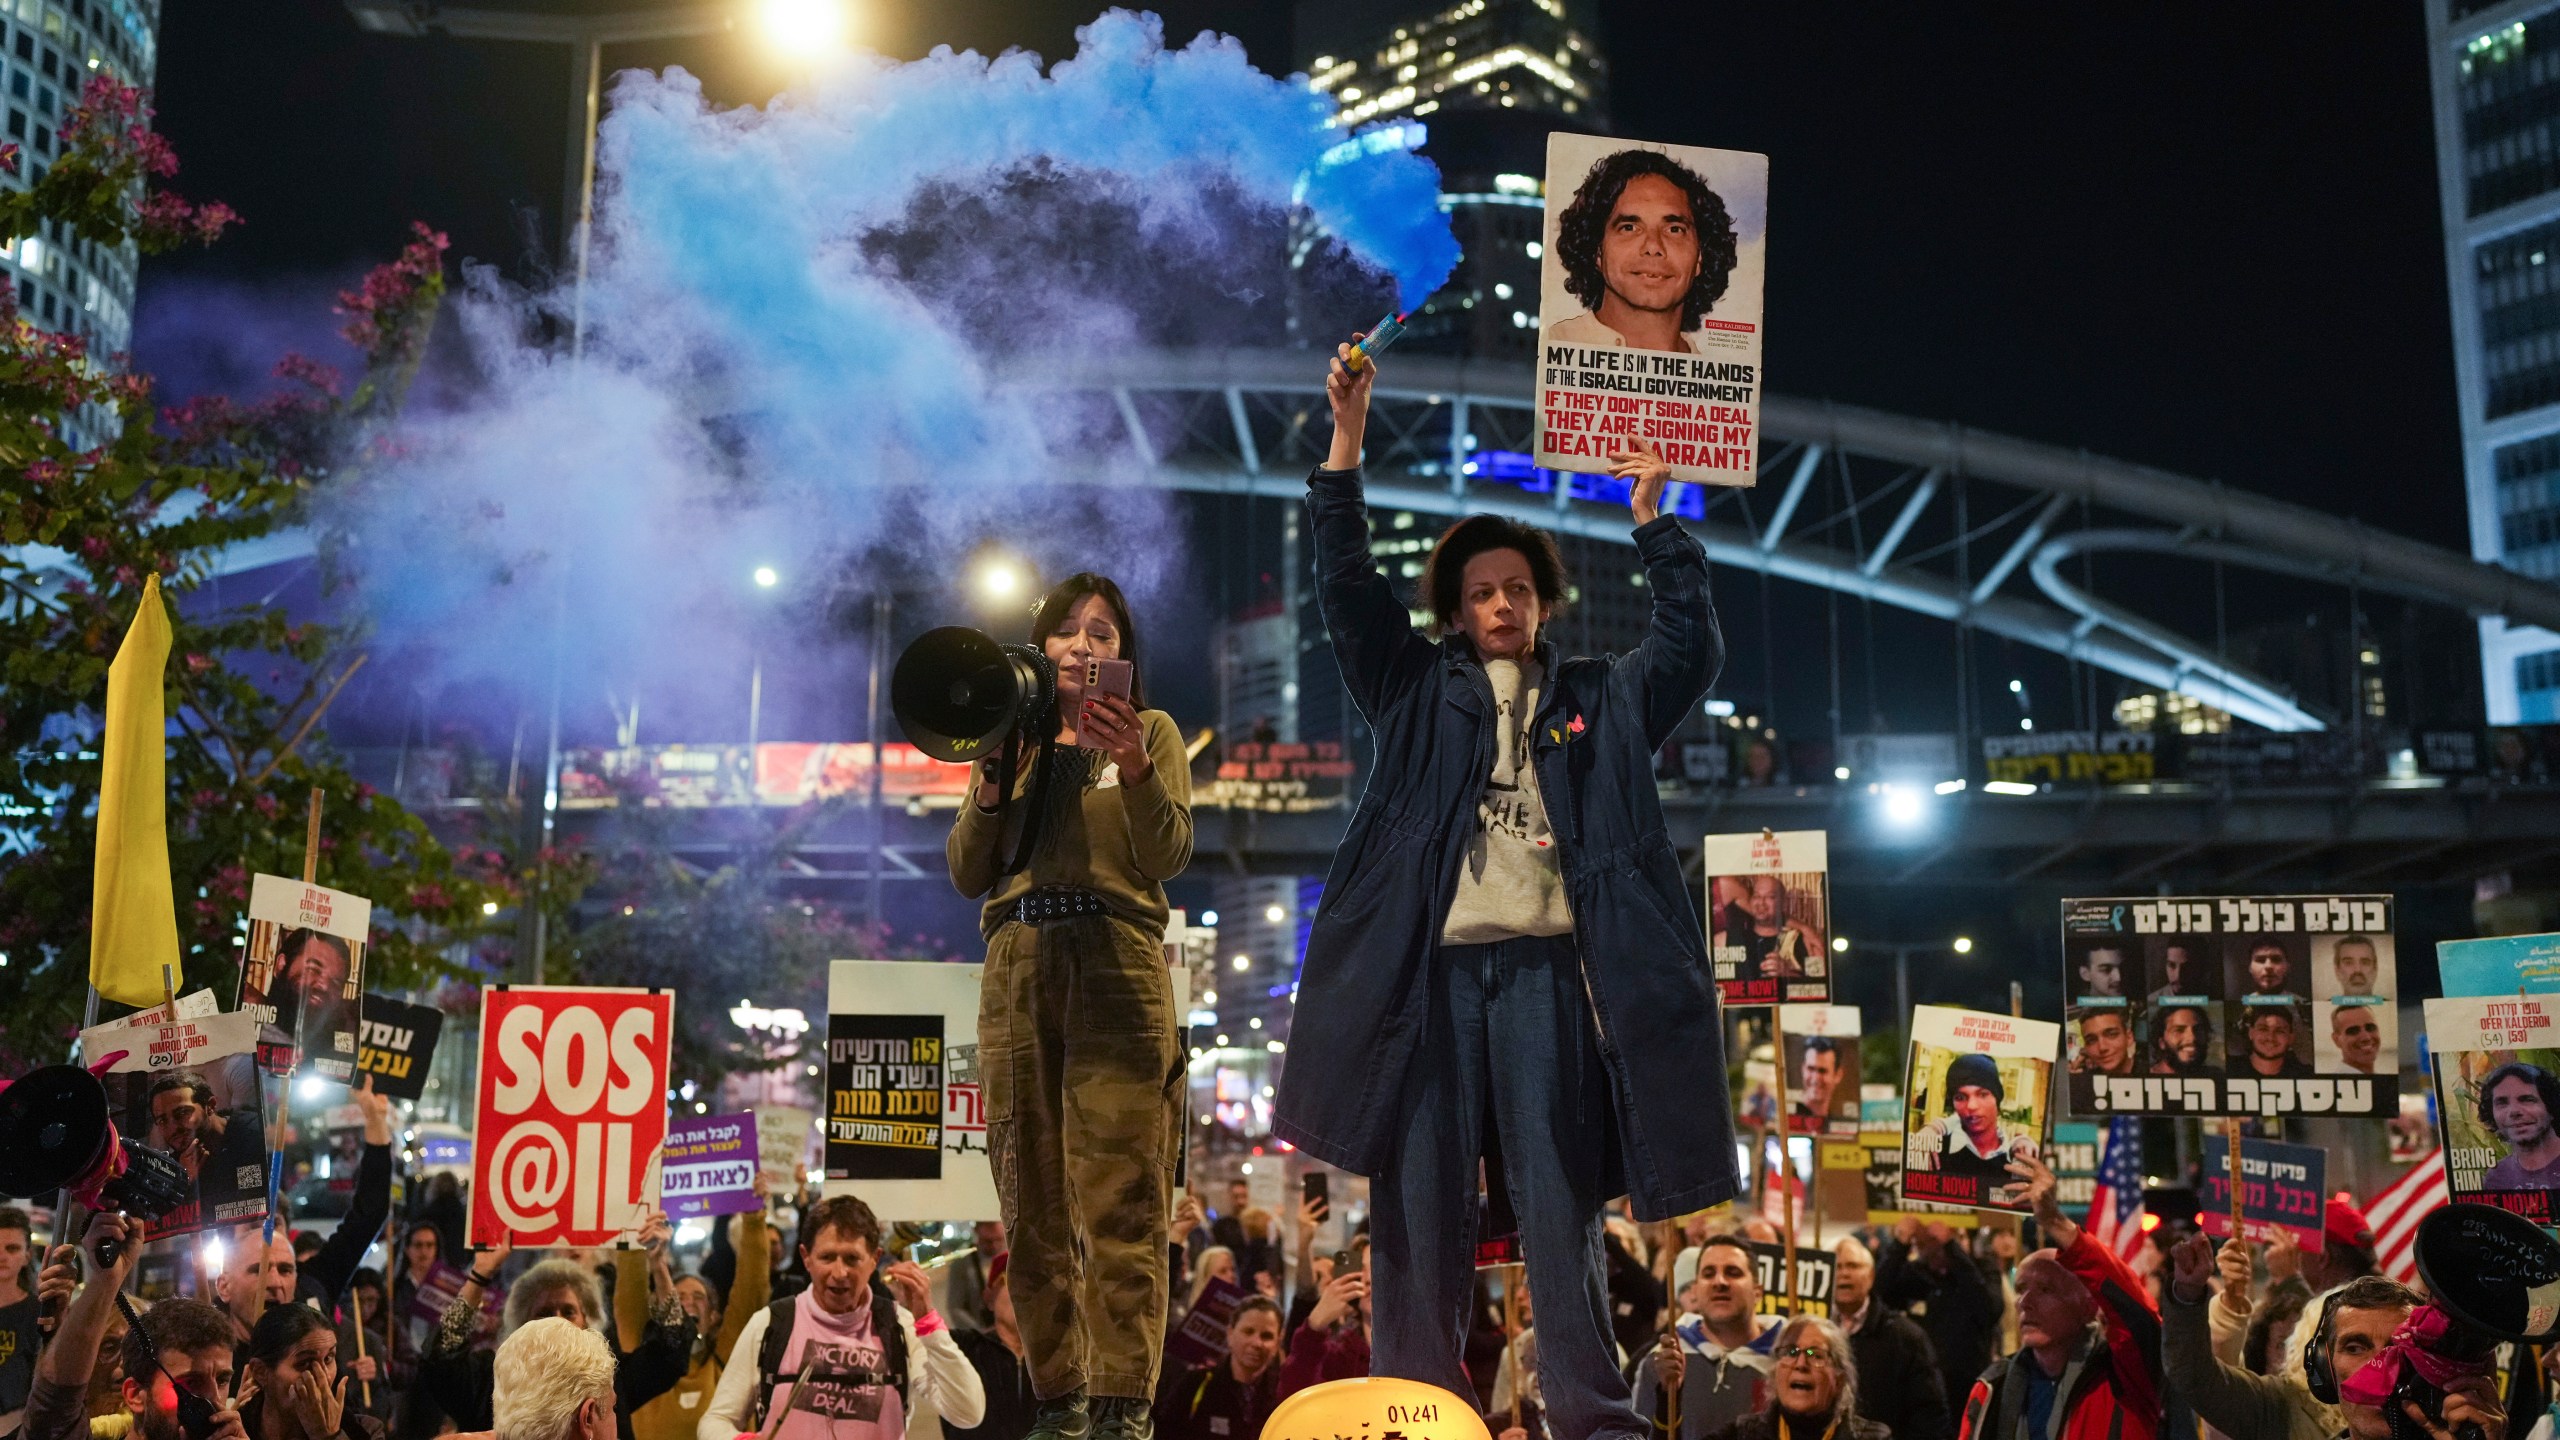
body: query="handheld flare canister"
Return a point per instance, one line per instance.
(1381, 335)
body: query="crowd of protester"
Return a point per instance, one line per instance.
(821, 1332)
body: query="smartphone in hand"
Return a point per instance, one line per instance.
(1317, 1189)
(1104, 677)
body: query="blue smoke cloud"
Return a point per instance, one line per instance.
(760, 386)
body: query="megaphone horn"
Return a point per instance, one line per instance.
(957, 693)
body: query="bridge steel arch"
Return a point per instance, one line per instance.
(1248, 422)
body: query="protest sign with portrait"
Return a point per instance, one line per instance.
(2231, 1005)
(1977, 1086)
(571, 1119)
(191, 1088)
(1649, 306)
(1822, 1068)
(302, 973)
(2497, 1072)
(1768, 906)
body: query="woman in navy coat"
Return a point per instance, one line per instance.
(1507, 965)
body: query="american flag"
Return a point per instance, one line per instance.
(2116, 1210)
(2396, 1210)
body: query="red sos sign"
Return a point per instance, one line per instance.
(572, 1113)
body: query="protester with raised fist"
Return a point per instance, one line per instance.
(2089, 1366)
(1507, 957)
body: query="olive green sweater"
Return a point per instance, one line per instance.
(1123, 841)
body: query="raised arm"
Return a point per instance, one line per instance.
(1682, 651)
(334, 1267)
(1373, 637)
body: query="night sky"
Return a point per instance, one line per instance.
(2200, 237)
(2203, 237)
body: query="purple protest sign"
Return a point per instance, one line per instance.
(710, 1166)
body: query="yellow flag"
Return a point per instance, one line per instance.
(133, 922)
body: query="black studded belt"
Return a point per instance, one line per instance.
(1059, 902)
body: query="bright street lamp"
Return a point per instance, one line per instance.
(1000, 580)
(1964, 945)
(803, 30)
(767, 577)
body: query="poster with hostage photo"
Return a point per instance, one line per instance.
(2237, 1004)
(1822, 1069)
(303, 975)
(2101, 1039)
(191, 1089)
(1978, 1085)
(2497, 1064)
(1649, 307)
(1769, 916)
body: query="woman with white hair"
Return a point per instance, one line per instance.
(553, 1381)
(1813, 1393)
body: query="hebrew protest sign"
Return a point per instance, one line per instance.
(395, 1044)
(2232, 1005)
(710, 1166)
(2283, 1187)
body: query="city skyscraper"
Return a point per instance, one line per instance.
(52, 47)
(2496, 78)
(1485, 80)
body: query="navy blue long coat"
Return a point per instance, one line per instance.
(1362, 997)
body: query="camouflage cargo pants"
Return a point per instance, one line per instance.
(1084, 1070)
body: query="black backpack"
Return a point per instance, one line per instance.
(782, 1316)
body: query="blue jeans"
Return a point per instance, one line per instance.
(1510, 1039)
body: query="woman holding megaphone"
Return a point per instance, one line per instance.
(1077, 1041)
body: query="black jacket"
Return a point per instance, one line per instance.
(1010, 1402)
(1635, 1298)
(1958, 1307)
(1209, 1403)
(1430, 709)
(323, 1280)
(1899, 1386)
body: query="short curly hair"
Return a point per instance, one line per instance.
(1586, 220)
(2540, 1079)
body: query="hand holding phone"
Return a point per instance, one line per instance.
(1114, 678)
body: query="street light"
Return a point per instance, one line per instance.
(999, 580)
(767, 577)
(801, 30)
